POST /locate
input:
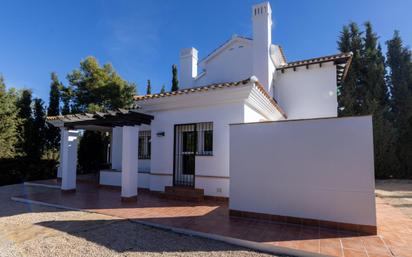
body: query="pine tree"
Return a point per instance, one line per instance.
(25, 114)
(400, 85)
(53, 133)
(163, 89)
(38, 130)
(9, 121)
(175, 81)
(148, 88)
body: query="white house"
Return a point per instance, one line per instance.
(181, 139)
(243, 80)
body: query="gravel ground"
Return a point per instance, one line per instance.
(397, 193)
(32, 230)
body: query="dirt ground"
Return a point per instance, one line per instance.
(397, 193)
(33, 230)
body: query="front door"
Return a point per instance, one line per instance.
(185, 145)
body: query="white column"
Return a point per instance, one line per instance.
(68, 158)
(59, 169)
(116, 148)
(129, 162)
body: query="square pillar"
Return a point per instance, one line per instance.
(129, 162)
(68, 158)
(116, 148)
(59, 169)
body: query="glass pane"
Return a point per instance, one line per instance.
(188, 164)
(189, 142)
(141, 147)
(208, 141)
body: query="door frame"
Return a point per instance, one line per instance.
(174, 153)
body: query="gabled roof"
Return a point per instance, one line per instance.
(342, 61)
(216, 86)
(222, 46)
(230, 41)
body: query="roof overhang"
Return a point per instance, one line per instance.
(219, 93)
(342, 62)
(101, 120)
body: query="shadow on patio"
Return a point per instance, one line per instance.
(213, 218)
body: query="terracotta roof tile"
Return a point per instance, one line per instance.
(342, 60)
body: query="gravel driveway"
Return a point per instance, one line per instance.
(397, 193)
(32, 230)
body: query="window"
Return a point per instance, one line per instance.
(208, 141)
(204, 138)
(144, 144)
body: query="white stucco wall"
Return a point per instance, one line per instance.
(318, 169)
(307, 93)
(217, 165)
(234, 63)
(113, 178)
(252, 115)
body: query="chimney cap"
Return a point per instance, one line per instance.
(188, 52)
(261, 9)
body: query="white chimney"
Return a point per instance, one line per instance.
(188, 67)
(262, 40)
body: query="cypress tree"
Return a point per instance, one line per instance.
(148, 88)
(376, 102)
(66, 95)
(374, 73)
(9, 121)
(25, 114)
(53, 133)
(163, 89)
(347, 89)
(400, 85)
(175, 81)
(38, 130)
(356, 45)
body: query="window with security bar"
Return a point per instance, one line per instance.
(204, 138)
(144, 144)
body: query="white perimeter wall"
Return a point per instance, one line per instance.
(114, 178)
(307, 93)
(213, 171)
(319, 169)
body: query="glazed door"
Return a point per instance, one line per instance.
(185, 145)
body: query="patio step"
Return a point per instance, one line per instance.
(183, 193)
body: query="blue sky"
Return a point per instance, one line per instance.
(142, 38)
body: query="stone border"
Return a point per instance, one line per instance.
(260, 247)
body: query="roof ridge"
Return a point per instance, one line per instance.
(193, 89)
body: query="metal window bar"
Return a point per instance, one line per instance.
(144, 144)
(189, 141)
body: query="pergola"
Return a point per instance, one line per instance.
(124, 124)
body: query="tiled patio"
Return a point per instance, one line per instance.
(394, 229)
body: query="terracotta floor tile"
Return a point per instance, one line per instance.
(394, 228)
(354, 253)
(402, 251)
(308, 245)
(330, 250)
(353, 243)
